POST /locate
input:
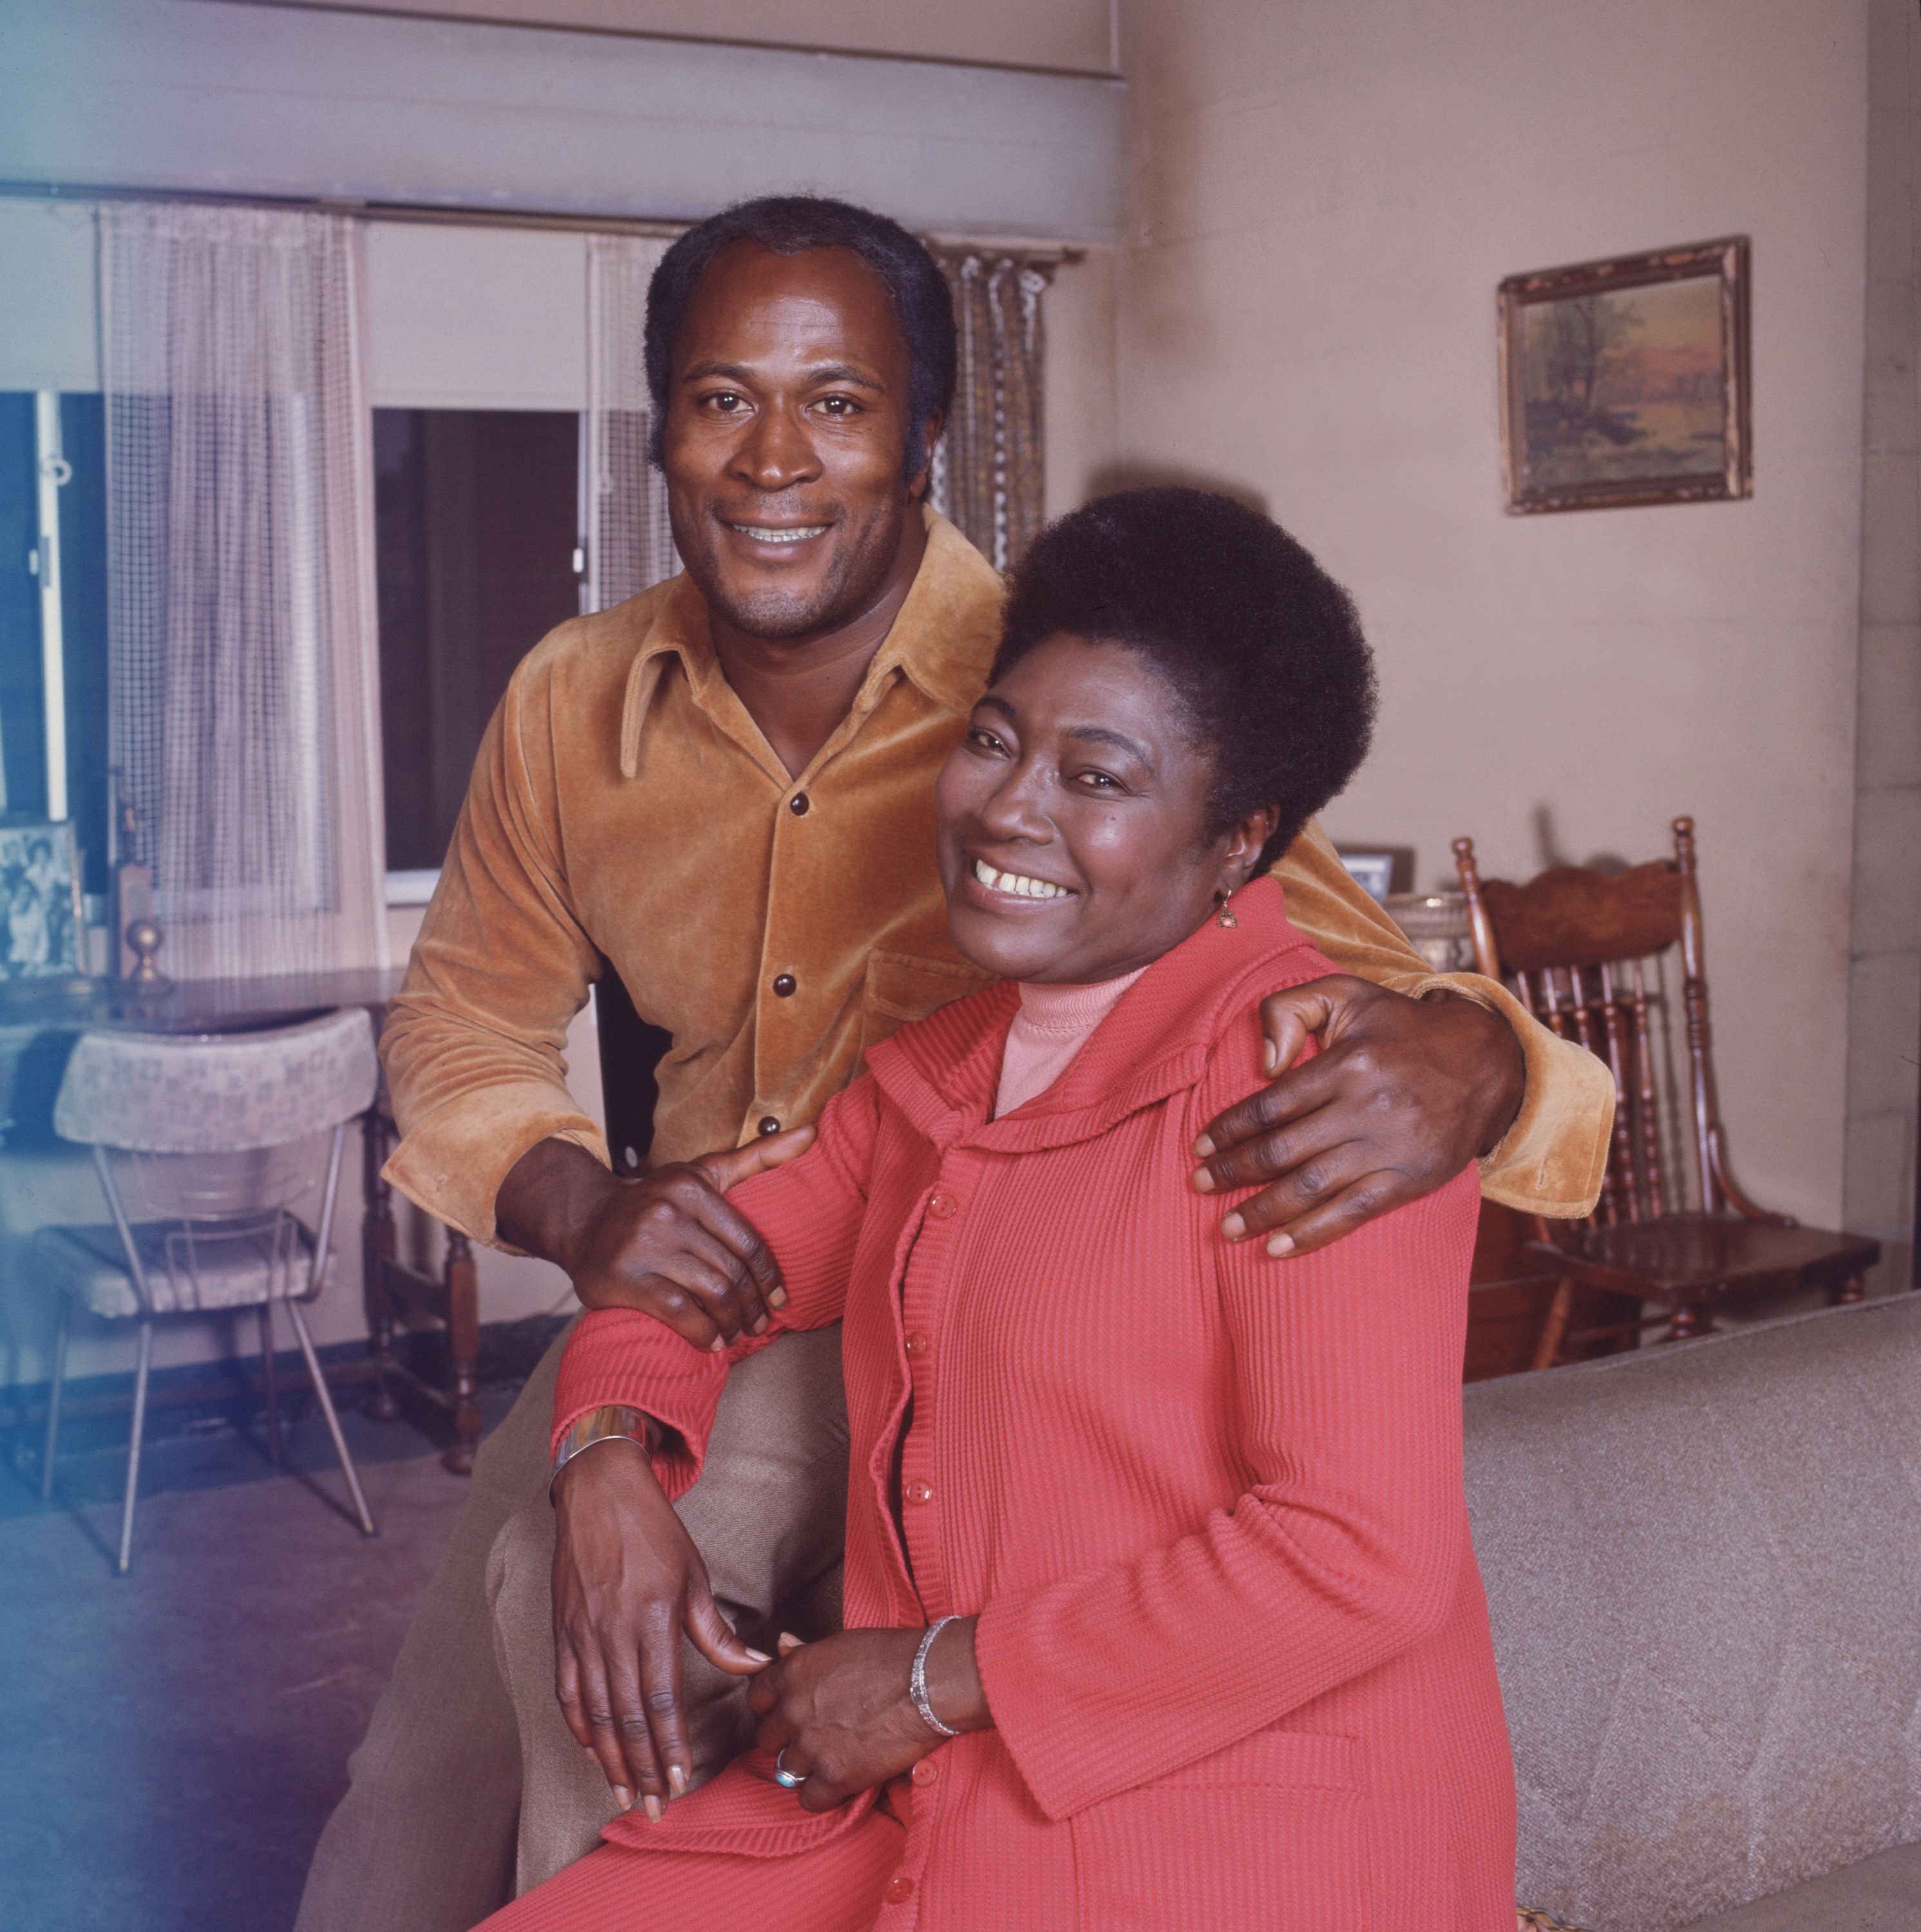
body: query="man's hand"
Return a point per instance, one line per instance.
(627, 1581)
(1402, 1094)
(667, 1244)
(841, 1713)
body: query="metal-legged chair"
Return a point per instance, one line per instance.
(205, 1146)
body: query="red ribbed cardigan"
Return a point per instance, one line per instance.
(1207, 1506)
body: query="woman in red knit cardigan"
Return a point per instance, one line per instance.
(1161, 1611)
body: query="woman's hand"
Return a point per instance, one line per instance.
(841, 1711)
(667, 1244)
(627, 1581)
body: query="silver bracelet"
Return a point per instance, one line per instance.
(916, 1682)
(616, 1423)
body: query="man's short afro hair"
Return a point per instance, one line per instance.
(1263, 648)
(790, 224)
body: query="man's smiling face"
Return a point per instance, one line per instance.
(786, 421)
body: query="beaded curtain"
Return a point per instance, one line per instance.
(990, 474)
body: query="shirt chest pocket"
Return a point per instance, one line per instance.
(905, 986)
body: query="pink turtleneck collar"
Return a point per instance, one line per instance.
(1053, 1024)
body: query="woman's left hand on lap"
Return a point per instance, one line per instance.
(842, 1711)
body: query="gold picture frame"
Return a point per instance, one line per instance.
(1626, 381)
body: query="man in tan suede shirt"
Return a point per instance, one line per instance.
(724, 787)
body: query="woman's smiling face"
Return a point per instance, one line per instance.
(1073, 820)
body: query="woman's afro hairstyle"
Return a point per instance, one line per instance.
(1261, 647)
(790, 224)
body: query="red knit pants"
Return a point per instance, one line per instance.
(836, 1887)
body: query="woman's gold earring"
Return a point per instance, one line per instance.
(1225, 917)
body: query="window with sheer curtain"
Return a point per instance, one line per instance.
(244, 669)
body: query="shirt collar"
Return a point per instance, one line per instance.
(942, 642)
(944, 639)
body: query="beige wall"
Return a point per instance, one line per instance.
(1325, 196)
(1074, 35)
(1081, 398)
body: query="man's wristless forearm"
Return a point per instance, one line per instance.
(1506, 1106)
(548, 1199)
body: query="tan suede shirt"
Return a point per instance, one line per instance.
(624, 803)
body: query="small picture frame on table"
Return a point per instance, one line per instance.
(1379, 870)
(1626, 381)
(43, 929)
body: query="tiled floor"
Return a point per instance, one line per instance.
(171, 1742)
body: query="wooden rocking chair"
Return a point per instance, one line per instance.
(1586, 953)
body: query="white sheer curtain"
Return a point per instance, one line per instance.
(623, 502)
(244, 663)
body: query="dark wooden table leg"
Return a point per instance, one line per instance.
(462, 1279)
(1686, 1321)
(379, 1244)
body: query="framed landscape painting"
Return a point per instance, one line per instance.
(1626, 381)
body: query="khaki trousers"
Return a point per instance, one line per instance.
(469, 1787)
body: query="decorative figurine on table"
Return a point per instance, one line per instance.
(144, 938)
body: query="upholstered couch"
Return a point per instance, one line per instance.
(1703, 1563)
